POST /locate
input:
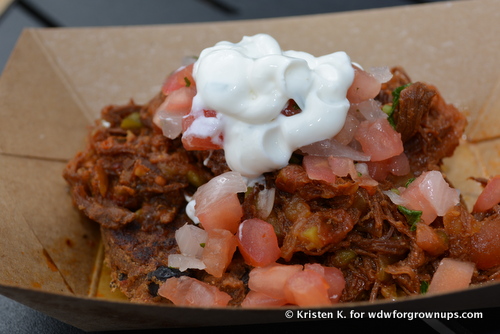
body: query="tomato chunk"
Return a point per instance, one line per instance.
(333, 276)
(429, 193)
(364, 86)
(307, 288)
(217, 204)
(225, 214)
(398, 165)
(202, 131)
(182, 77)
(188, 291)
(218, 251)
(486, 245)
(451, 275)
(259, 299)
(318, 168)
(490, 195)
(258, 243)
(270, 280)
(432, 241)
(379, 140)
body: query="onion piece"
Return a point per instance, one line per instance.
(429, 193)
(184, 262)
(219, 187)
(265, 202)
(188, 291)
(371, 109)
(331, 147)
(346, 134)
(382, 74)
(190, 238)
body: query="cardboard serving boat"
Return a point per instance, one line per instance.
(57, 80)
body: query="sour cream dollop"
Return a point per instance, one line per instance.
(249, 83)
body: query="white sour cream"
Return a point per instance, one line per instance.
(250, 82)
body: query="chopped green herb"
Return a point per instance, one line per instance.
(187, 81)
(412, 216)
(202, 245)
(410, 180)
(396, 93)
(395, 101)
(424, 286)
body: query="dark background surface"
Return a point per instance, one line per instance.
(17, 318)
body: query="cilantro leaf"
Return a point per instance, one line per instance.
(410, 180)
(395, 101)
(412, 216)
(424, 286)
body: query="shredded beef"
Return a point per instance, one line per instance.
(132, 180)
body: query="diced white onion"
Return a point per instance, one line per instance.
(394, 197)
(370, 109)
(183, 262)
(332, 147)
(190, 238)
(219, 187)
(265, 202)
(190, 211)
(382, 74)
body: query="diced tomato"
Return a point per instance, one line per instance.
(307, 288)
(433, 242)
(489, 197)
(333, 276)
(258, 299)
(169, 115)
(379, 140)
(486, 245)
(225, 214)
(270, 280)
(258, 243)
(216, 202)
(451, 275)
(184, 262)
(188, 291)
(429, 193)
(218, 251)
(183, 77)
(361, 175)
(364, 86)
(179, 101)
(193, 143)
(194, 139)
(318, 168)
(398, 165)
(189, 119)
(341, 166)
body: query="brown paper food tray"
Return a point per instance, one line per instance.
(57, 81)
